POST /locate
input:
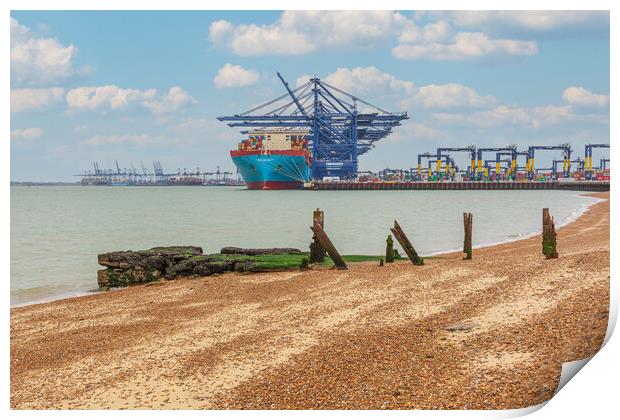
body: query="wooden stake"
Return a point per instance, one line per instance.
(317, 253)
(549, 240)
(467, 225)
(399, 234)
(327, 244)
(545, 221)
(389, 249)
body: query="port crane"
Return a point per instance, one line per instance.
(497, 163)
(516, 154)
(469, 149)
(556, 163)
(342, 126)
(589, 168)
(604, 163)
(451, 167)
(531, 168)
(511, 149)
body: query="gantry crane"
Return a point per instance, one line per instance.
(339, 131)
(497, 162)
(511, 149)
(604, 163)
(589, 168)
(451, 167)
(556, 162)
(469, 149)
(566, 152)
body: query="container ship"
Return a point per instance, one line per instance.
(274, 159)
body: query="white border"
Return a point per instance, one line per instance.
(592, 394)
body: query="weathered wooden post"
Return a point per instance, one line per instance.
(317, 253)
(404, 242)
(327, 245)
(389, 249)
(467, 225)
(549, 240)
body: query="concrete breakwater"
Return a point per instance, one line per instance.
(124, 268)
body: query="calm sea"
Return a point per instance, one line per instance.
(57, 232)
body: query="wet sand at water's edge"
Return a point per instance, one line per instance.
(487, 333)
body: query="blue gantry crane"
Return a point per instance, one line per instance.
(566, 159)
(471, 150)
(589, 166)
(342, 126)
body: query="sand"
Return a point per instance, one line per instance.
(487, 333)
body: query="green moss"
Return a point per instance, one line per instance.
(286, 261)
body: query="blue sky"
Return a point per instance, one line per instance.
(143, 86)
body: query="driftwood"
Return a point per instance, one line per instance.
(327, 244)
(549, 236)
(317, 252)
(467, 225)
(406, 244)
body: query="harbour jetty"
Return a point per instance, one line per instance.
(593, 186)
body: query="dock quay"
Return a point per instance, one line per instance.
(593, 186)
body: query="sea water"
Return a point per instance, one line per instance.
(57, 232)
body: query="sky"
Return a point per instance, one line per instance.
(140, 86)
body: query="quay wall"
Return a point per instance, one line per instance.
(594, 186)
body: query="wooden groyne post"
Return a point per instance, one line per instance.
(467, 226)
(389, 249)
(549, 240)
(327, 244)
(317, 252)
(404, 242)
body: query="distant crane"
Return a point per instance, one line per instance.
(589, 168)
(566, 151)
(469, 149)
(510, 149)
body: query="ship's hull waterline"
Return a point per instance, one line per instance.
(276, 170)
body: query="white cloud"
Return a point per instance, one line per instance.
(232, 75)
(362, 81)
(26, 99)
(528, 20)
(504, 116)
(462, 46)
(302, 32)
(411, 131)
(105, 97)
(551, 114)
(111, 97)
(577, 95)
(193, 125)
(36, 60)
(26, 133)
(365, 80)
(174, 100)
(138, 139)
(499, 116)
(451, 95)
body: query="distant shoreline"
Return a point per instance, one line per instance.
(44, 184)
